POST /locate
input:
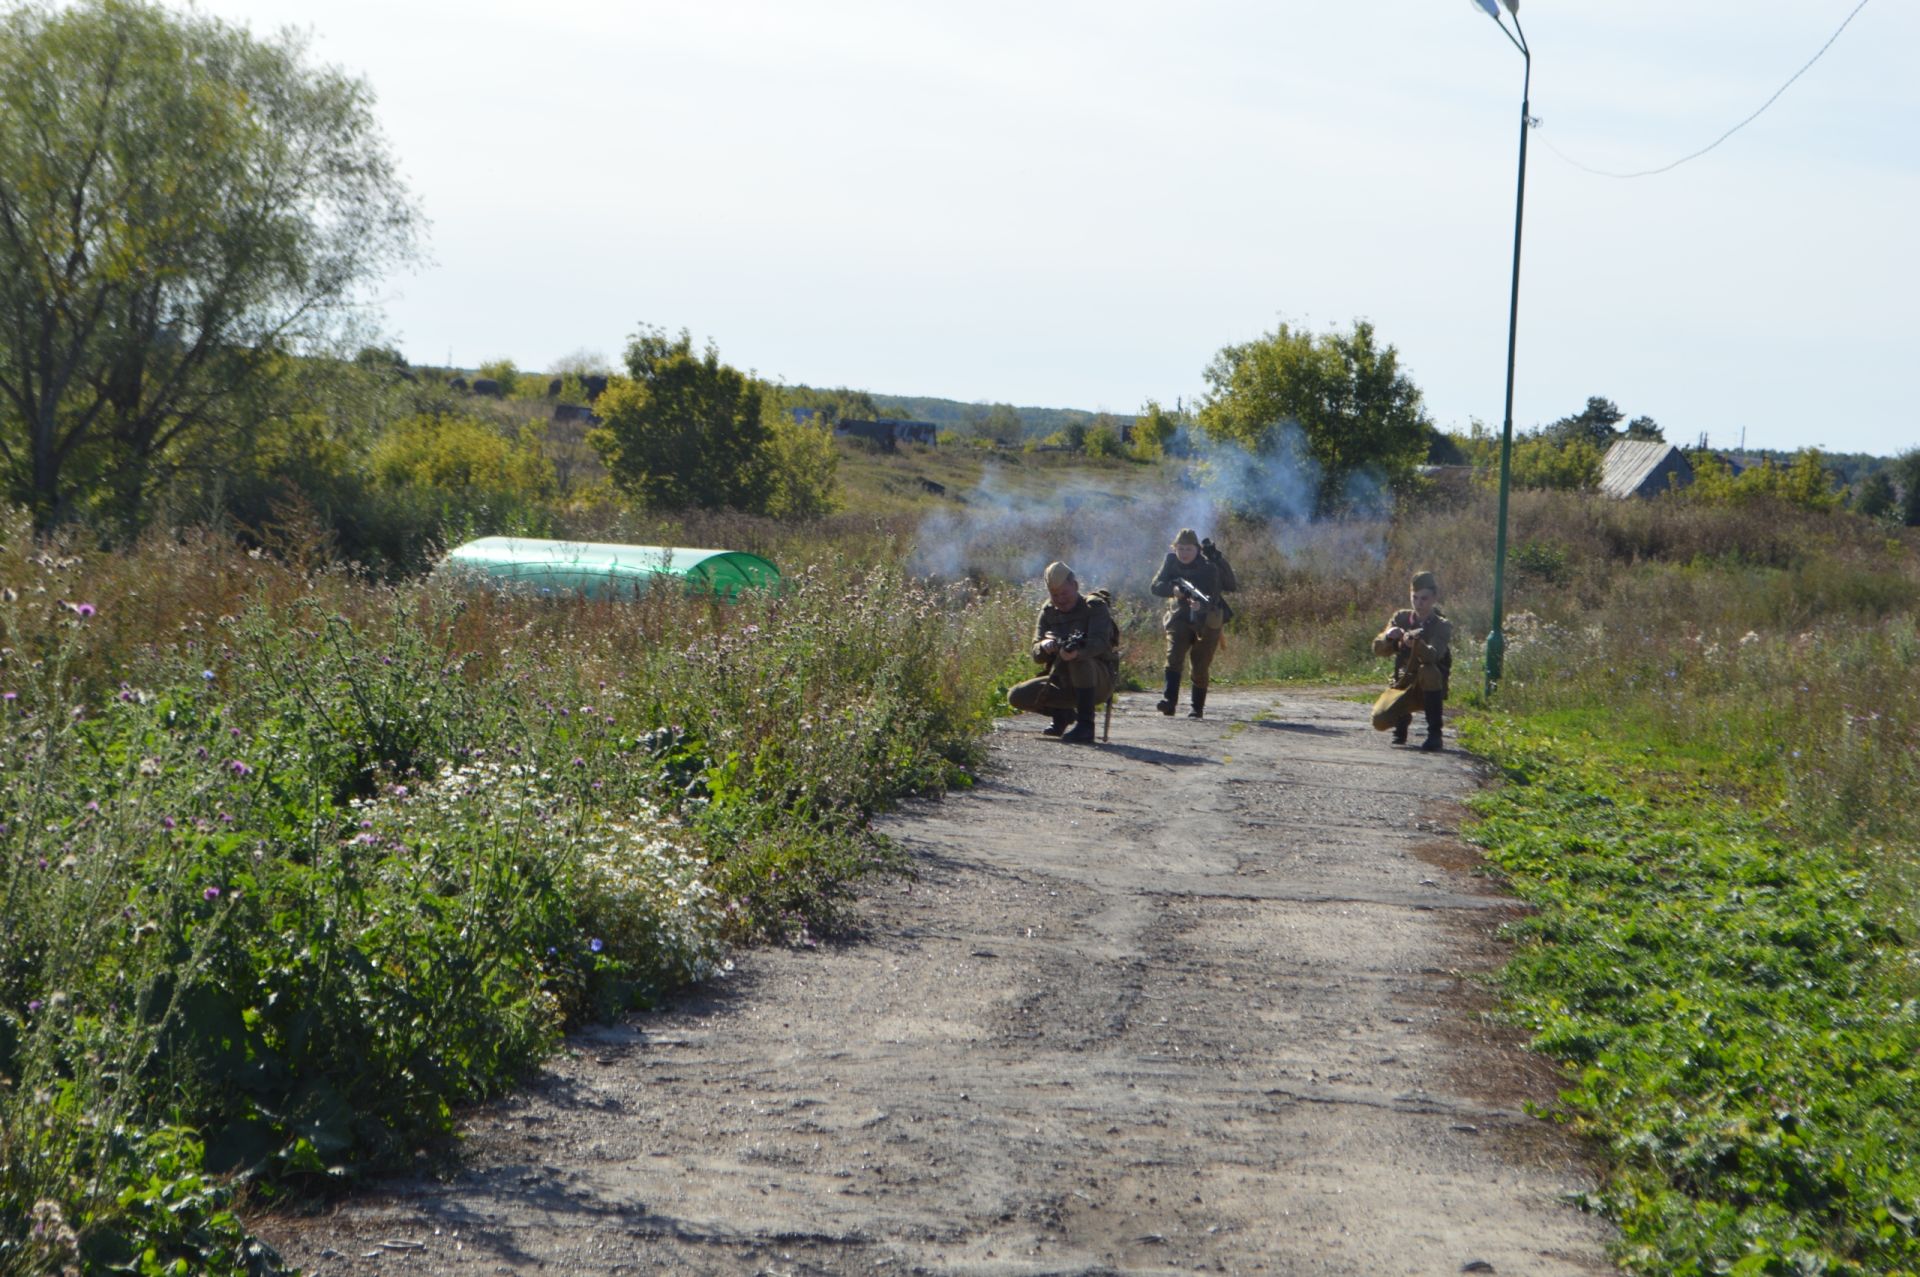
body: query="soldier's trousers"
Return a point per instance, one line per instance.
(1054, 689)
(1184, 641)
(1431, 702)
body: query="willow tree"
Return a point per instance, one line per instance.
(182, 203)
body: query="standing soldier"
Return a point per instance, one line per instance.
(1191, 583)
(1419, 639)
(1076, 639)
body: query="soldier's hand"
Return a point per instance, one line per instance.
(1070, 656)
(1049, 644)
(1395, 635)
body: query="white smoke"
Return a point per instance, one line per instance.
(1114, 528)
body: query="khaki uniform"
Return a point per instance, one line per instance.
(1430, 653)
(1189, 636)
(1427, 660)
(1053, 692)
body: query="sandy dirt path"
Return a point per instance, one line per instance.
(1203, 999)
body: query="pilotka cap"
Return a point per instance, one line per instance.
(1058, 574)
(1426, 581)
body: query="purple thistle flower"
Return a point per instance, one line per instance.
(211, 893)
(238, 768)
(83, 610)
(9, 696)
(34, 1005)
(579, 761)
(166, 822)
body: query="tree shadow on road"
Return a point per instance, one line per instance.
(1141, 754)
(1304, 729)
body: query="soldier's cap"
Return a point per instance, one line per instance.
(1188, 537)
(1426, 581)
(1058, 574)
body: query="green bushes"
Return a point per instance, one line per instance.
(291, 863)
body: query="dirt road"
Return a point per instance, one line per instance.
(1199, 1000)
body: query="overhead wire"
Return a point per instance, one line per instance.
(1667, 168)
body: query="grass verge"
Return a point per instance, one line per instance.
(1734, 998)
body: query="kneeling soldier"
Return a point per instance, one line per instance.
(1076, 639)
(1419, 639)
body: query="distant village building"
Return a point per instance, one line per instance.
(1636, 468)
(887, 431)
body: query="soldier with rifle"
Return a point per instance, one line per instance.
(1419, 638)
(1076, 639)
(1192, 579)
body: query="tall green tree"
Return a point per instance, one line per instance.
(1875, 497)
(683, 429)
(1906, 473)
(1345, 392)
(180, 202)
(1596, 424)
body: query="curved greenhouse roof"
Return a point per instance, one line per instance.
(599, 569)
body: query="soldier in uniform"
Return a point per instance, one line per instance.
(1076, 639)
(1419, 639)
(1193, 627)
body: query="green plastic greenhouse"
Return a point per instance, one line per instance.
(600, 570)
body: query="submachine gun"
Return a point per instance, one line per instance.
(1197, 601)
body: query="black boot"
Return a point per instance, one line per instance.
(1082, 733)
(1199, 703)
(1061, 718)
(1172, 699)
(1432, 744)
(1400, 730)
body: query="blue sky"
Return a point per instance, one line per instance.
(1077, 204)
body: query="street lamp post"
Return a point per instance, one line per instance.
(1496, 641)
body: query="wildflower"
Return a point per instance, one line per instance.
(9, 696)
(238, 768)
(166, 822)
(34, 1005)
(93, 805)
(595, 945)
(211, 893)
(83, 610)
(579, 761)
(207, 675)
(398, 791)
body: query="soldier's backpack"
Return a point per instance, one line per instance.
(1105, 599)
(1228, 583)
